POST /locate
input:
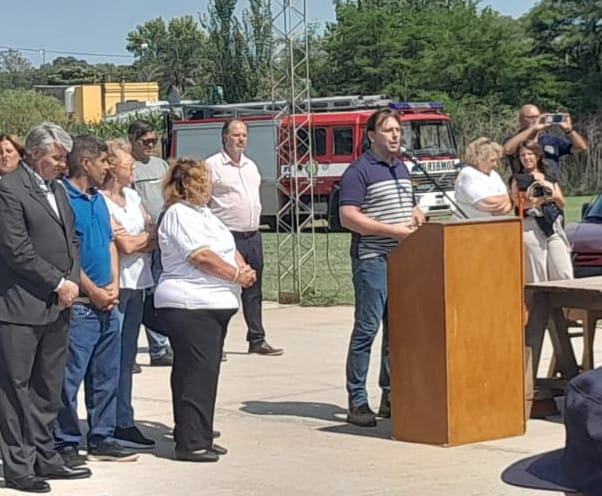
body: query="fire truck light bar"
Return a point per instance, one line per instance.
(415, 106)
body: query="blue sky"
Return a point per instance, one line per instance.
(101, 27)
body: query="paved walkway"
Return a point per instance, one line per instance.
(283, 420)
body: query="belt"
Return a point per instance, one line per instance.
(243, 235)
(82, 299)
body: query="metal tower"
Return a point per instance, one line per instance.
(290, 82)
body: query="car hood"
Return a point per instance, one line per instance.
(585, 237)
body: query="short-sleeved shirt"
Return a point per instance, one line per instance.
(383, 192)
(183, 230)
(147, 182)
(235, 197)
(473, 185)
(554, 147)
(93, 228)
(134, 268)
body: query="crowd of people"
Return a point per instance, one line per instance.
(98, 238)
(101, 237)
(378, 206)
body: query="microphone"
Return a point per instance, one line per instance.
(411, 157)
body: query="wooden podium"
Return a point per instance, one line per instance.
(456, 332)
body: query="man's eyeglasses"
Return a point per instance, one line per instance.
(149, 141)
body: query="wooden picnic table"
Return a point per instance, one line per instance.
(547, 301)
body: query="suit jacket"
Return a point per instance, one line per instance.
(37, 249)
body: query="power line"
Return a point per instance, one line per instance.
(44, 51)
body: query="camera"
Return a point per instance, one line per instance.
(553, 118)
(538, 191)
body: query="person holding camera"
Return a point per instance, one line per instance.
(540, 201)
(532, 126)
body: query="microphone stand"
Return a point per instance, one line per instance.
(413, 160)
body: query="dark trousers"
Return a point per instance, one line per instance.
(197, 338)
(32, 364)
(250, 247)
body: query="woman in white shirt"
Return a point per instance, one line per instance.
(480, 191)
(197, 294)
(129, 222)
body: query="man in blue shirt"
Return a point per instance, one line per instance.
(377, 204)
(532, 124)
(94, 334)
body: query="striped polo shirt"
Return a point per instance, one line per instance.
(383, 192)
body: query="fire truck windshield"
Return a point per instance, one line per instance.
(429, 138)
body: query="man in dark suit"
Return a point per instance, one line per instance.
(39, 277)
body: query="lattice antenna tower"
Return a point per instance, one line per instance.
(290, 82)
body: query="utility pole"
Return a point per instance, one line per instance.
(43, 54)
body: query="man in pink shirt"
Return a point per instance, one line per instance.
(236, 202)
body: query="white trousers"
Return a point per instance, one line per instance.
(547, 258)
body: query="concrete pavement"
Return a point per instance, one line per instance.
(283, 421)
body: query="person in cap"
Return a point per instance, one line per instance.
(576, 468)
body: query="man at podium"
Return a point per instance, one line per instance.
(377, 204)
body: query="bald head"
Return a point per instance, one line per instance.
(527, 115)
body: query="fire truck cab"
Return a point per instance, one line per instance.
(337, 127)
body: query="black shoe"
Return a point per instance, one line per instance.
(361, 415)
(202, 455)
(384, 410)
(110, 451)
(224, 356)
(65, 472)
(165, 360)
(218, 450)
(136, 369)
(71, 456)
(29, 483)
(264, 348)
(131, 437)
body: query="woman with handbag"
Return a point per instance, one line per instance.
(133, 238)
(197, 294)
(547, 249)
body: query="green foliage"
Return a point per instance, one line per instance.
(15, 70)
(21, 109)
(173, 53)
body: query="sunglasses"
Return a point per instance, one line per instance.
(149, 141)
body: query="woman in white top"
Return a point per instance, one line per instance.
(129, 221)
(197, 294)
(480, 191)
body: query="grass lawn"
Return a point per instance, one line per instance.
(333, 266)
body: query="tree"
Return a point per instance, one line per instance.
(16, 71)
(569, 34)
(173, 53)
(239, 53)
(21, 109)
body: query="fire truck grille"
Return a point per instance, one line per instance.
(425, 185)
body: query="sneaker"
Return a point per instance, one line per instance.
(165, 360)
(131, 437)
(384, 410)
(136, 369)
(264, 348)
(110, 451)
(361, 415)
(71, 456)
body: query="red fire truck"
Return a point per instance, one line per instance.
(337, 140)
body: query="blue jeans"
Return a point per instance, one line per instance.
(370, 285)
(94, 358)
(130, 315)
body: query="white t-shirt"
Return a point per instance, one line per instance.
(473, 185)
(134, 268)
(184, 229)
